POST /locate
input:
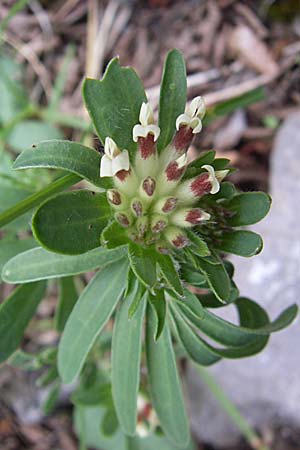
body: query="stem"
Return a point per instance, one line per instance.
(250, 435)
(35, 199)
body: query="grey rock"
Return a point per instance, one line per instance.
(267, 386)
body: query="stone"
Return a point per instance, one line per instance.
(265, 387)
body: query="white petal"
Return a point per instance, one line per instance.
(138, 131)
(121, 162)
(205, 216)
(192, 108)
(196, 124)
(153, 129)
(146, 114)
(201, 109)
(182, 160)
(212, 178)
(183, 119)
(110, 148)
(105, 167)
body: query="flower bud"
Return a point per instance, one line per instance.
(158, 223)
(126, 182)
(166, 205)
(148, 187)
(137, 207)
(123, 219)
(176, 237)
(115, 198)
(183, 138)
(162, 247)
(188, 217)
(171, 176)
(142, 224)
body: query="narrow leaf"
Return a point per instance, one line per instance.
(114, 103)
(67, 298)
(217, 278)
(91, 312)
(158, 302)
(143, 264)
(72, 222)
(15, 314)
(126, 355)
(10, 248)
(172, 96)
(39, 264)
(169, 272)
(164, 383)
(66, 155)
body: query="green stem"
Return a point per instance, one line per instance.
(38, 197)
(232, 411)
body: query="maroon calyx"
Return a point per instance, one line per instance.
(149, 185)
(123, 174)
(114, 197)
(173, 172)
(159, 226)
(180, 241)
(194, 216)
(170, 204)
(137, 208)
(201, 185)
(147, 146)
(183, 138)
(123, 220)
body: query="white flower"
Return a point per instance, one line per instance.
(194, 112)
(113, 160)
(146, 125)
(215, 177)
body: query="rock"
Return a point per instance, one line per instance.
(264, 387)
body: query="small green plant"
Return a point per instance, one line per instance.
(158, 229)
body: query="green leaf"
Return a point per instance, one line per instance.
(230, 334)
(114, 235)
(196, 349)
(164, 383)
(126, 355)
(67, 298)
(29, 132)
(217, 278)
(51, 400)
(10, 248)
(15, 314)
(39, 264)
(24, 361)
(98, 393)
(189, 275)
(169, 272)
(227, 191)
(109, 423)
(158, 302)
(91, 312)
(241, 242)
(72, 222)
(248, 208)
(199, 246)
(114, 103)
(172, 96)
(136, 291)
(143, 264)
(65, 155)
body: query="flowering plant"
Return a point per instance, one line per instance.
(158, 227)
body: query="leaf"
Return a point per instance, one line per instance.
(190, 276)
(109, 423)
(241, 242)
(136, 292)
(164, 383)
(39, 264)
(15, 314)
(199, 246)
(126, 355)
(169, 272)
(227, 191)
(114, 235)
(157, 300)
(114, 103)
(51, 400)
(172, 96)
(248, 208)
(143, 264)
(230, 334)
(29, 132)
(193, 345)
(98, 393)
(65, 155)
(217, 278)
(10, 248)
(71, 222)
(91, 312)
(67, 298)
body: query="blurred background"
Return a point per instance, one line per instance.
(244, 58)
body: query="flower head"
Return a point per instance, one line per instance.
(114, 160)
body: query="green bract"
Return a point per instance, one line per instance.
(162, 226)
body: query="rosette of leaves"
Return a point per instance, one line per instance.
(159, 249)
